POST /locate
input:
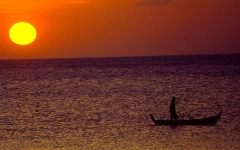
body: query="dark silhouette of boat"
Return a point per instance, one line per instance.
(204, 121)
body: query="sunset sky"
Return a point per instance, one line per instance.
(112, 28)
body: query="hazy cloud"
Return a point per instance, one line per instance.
(35, 2)
(67, 2)
(19, 5)
(152, 2)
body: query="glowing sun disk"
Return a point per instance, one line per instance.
(22, 33)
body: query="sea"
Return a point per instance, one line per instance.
(104, 103)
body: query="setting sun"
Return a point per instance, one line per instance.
(22, 33)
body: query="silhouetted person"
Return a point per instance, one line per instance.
(172, 110)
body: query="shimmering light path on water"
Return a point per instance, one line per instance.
(105, 103)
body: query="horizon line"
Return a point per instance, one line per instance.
(103, 57)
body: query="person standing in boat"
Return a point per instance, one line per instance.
(172, 110)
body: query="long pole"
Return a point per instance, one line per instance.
(185, 115)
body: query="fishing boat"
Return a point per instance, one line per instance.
(204, 121)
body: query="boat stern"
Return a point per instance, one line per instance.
(152, 118)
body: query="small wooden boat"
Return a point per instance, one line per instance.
(204, 121)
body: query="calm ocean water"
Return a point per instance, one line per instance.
(104, 103)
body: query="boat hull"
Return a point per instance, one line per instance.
(204, 121)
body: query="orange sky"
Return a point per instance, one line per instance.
(106, 28)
